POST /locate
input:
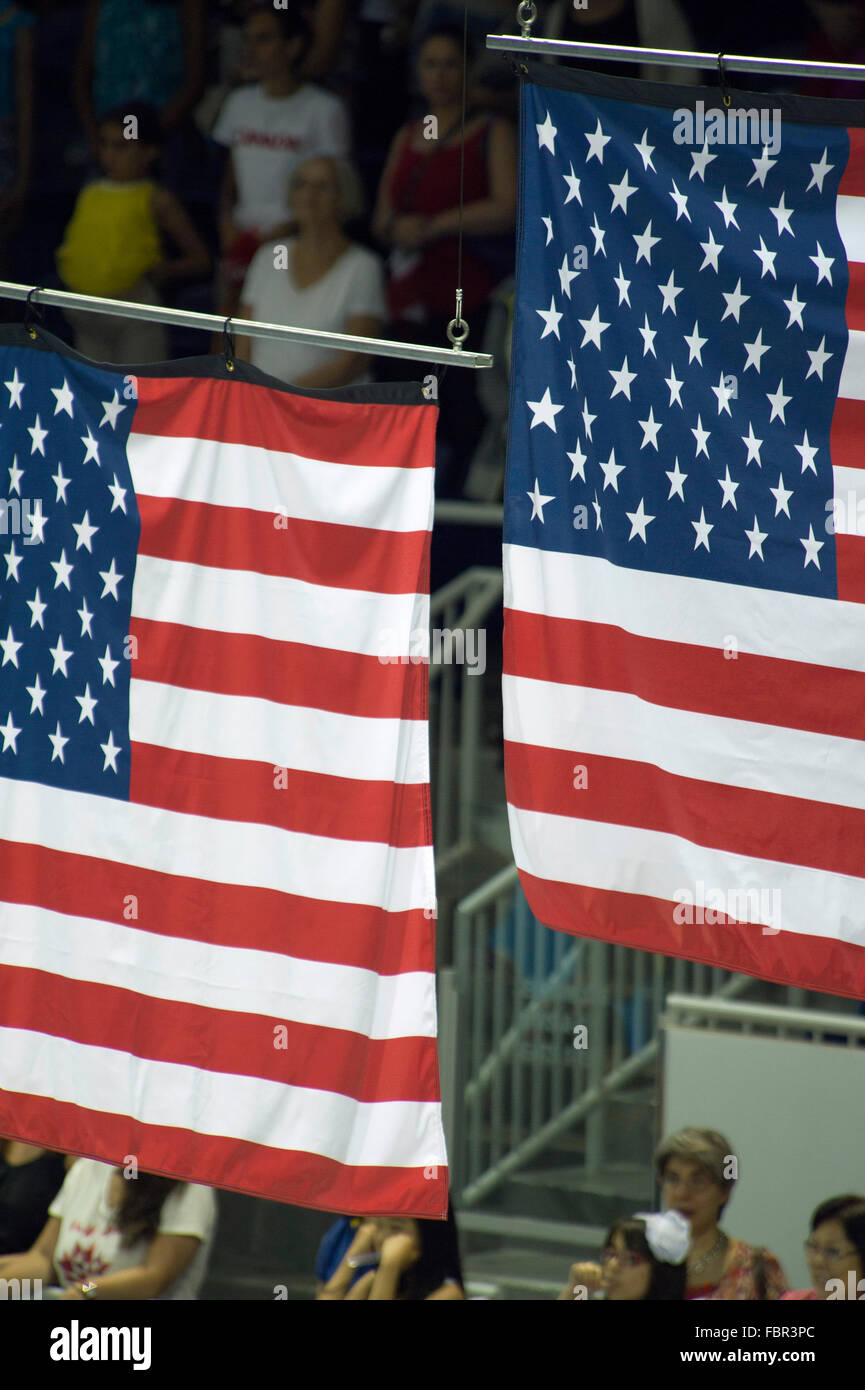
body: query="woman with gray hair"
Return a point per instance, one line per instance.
(697, 1170)
(317, 278)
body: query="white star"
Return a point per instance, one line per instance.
(110, 749)
(728, 488)
(598, 233)
(645, 151)
(546, 134)
(544, 411)
(807, 452)
(551, 318)
(37, 608)
(711, 247)
(599, 525)
(91, 446)
(63, 570)
(538, 502)
(88, 705)
(781, 495)
(753, 444)
(37, 695)
(112, 579)
(15, 474)
(597, 143)
(587, 419)
(15, 387)
(645, 241)
(573, 187)
(593, 328)
(782, 215)
(723, 394)
(650, 429)
(64, 398)
(779, 403)
(824, 264)
(755, 351)
(85, 533)
(548, 223)
(621, 193)
(819, 358)
(728, 210)
(819, 172)
(812, 548)
(675, 386)
(702, 527)
(766, 259)
(58, 742)
(681, 201)
(61, 656)
(677, 479)
(669, 293)
(701, 159)
(611, 471)
(622, 286)
(701, 436)
(761, 167)
(566, 275)
(38, 436)
(623, 379)
(639, 521)
(61, 483)
(10, 734)
(571, 363)
(578, 463)
(795, 305)
(11, 648)
(38, 522)
(735, 299)
(756, 537)
(112, 409)
(13, 562)
(695, 344)
(108, 667)
(119, 495)
(649, 335)
(86, 619)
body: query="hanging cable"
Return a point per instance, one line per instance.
(458, 329)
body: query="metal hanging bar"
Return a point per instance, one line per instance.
(674, 58)
(252, 328)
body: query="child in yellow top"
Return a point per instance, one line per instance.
(114, 244)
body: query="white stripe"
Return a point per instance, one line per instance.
(283, 484)
(655, 864)
(284, 610)
(757, 757)
(850, 220)
(314, 866)
(851, 387)
(285, 736)
(848, 504)
(233, 978)
(295, 1118)
(698, 612)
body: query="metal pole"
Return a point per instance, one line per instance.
(674, 58)
(247, 328)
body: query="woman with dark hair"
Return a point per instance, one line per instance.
(643, 1259)
(113, 1236)
(412, 1261)
(836, 1250)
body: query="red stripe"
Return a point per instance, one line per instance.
(217, 1040)
(855, 308)
(850, 563)
(675, 675)
(236, 538)
(648, 924)
(310, 803)
(620, 791)
(303, 1179)
(220, 914)
(358, 433)
(259, 667)
(847, 433)
(852, 181)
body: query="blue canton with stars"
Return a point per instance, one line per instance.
(69, 529)
(673, 383)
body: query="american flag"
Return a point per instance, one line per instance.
(216, 875)
(684, 523)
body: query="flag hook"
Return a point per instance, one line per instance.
(228, 345)
(527, 13)
(32, 312)
(722, 80)
(456, 324)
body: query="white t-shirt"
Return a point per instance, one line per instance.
(353, 285)
(88, 1243)
(269, 137)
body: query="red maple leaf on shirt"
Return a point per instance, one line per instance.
(81, 1263)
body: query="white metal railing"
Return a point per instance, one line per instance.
(816, 1024)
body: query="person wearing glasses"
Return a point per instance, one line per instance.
(836, 1250)
(697, 1170)
(643, 1258)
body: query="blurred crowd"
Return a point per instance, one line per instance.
(301, 162)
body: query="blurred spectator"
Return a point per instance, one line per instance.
(412, 1261)
(327, 20)
(316, 279)
(836, 1250)
(110, 1236)
(839, 37)
(269, 127)
(29, 1180)
(16, 120)
(114, 244)
(334, 1245)
(643, 1259)
(632, 23)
